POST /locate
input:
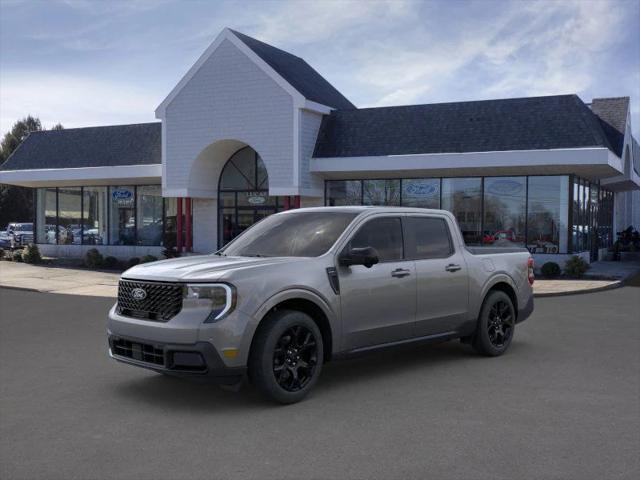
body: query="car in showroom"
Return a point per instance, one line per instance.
(17, 235)
(305, 286)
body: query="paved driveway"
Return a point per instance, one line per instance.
(563, 403)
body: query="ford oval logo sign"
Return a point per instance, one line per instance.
(139, 294)
(422, 189)
(122, 194)
(505, 187)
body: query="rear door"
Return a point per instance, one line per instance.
(378, 303)
(441, 275)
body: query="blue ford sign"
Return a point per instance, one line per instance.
(121, 194)
(505, 187)
(422, 189)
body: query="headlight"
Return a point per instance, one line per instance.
(220, 298)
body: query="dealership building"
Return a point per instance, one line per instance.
(251, 130)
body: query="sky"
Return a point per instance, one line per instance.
(101, 62)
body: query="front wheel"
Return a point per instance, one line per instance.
(495, 325)
(286, 356)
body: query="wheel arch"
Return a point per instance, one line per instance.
(306, 302)
(505, 284)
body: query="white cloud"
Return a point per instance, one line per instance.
(73, 101)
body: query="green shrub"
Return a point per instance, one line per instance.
(17, 256)
(132, 262)
(31, 254)
(110, 262)
(550, 269)
(1, 253)
(576, 266)
(93, 258)
(148, 258)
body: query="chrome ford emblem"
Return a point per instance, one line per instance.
(138, 294)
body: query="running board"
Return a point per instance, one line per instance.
(407, 341)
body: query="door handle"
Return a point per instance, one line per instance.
(452, 267)
(400, 272)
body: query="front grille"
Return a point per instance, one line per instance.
(27, 239)
(161, 302)
(141, 352)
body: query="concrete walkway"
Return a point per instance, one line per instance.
(76, 281)
(73, 281)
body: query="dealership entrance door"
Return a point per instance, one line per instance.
(243, 195)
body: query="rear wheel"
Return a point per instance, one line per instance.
(495, 325)
(286, 356)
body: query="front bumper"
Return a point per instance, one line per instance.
(199, 360)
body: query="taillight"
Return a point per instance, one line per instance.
(530, 273)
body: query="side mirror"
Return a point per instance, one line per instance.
(367, 256)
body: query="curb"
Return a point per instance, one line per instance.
(612, 286)
(26, 289)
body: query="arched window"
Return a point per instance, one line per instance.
(243, 194)
(244, 171)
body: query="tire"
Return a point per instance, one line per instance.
(496, 325)
(286, 356)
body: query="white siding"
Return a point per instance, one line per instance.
(229, 97)
(205, 225)
(309, 127)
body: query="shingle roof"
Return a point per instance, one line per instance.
(298, 73)
(108, 146)
(533, 123)
(613, 116)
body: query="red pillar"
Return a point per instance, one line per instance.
(179, 225)
(187, 213)
(296, 201)
(286, 203)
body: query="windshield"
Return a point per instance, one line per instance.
(300, 234)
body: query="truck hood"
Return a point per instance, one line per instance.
(201, 268)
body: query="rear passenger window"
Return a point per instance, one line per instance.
(427, 237)
(383, 234)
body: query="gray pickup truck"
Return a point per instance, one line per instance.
(306, 286)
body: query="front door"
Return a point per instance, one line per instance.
(379, 303)
(441, 276)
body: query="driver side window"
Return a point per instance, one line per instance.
(383, 234)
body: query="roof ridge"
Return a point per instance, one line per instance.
(467, 101)
(595, 128)
(235, 32)
(98, 126)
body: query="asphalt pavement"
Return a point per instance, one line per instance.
(563, 403)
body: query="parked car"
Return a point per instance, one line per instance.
(18, 235)
(306, 286)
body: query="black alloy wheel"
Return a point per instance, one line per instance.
(295, 358)
(286, 356)
(496, 324)
(500, 324)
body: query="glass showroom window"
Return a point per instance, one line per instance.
(547, 216)
(344, 192)
(421, 192)
(504, 211)
(149, 215)
(69, 216)
(46, 215)
(463, 198)
(122, 219)
(94, 215)
(170, 222)
(381, 192)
